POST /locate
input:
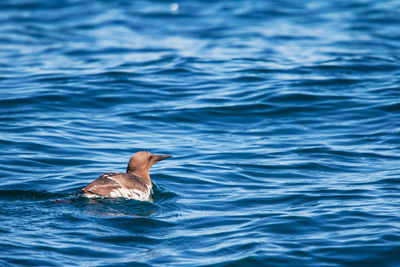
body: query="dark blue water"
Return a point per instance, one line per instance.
(283, 118)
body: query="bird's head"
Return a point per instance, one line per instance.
(143, 160)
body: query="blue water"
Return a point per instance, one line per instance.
(283, 119)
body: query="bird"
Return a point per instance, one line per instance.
(134, 184)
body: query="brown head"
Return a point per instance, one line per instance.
(141, 162)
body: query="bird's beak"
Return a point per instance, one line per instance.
(162, 157)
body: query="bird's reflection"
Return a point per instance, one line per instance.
(111, 206)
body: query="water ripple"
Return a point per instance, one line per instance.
(282, 117)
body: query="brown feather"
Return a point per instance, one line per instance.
(108, 182)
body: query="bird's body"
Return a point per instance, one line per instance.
(134, 184)
(118, 185)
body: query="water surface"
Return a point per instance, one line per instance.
(283, 119)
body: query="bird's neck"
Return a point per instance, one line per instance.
(144, 174)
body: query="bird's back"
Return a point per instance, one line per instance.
(118, 185)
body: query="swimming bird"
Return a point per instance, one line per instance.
(134, 184)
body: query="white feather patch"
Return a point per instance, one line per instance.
(131, 193)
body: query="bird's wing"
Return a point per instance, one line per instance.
(128, 180)
(117, 185)
(102, 186)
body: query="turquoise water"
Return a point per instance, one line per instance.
(283, 119)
